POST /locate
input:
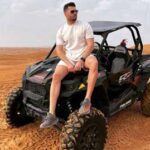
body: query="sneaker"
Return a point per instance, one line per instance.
(84, 104)
(49, 121)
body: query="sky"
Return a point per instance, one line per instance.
(34, 23)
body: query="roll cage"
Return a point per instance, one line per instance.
(104, 28)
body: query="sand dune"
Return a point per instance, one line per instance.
(129, 129)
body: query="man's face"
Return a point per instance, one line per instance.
(71, 13)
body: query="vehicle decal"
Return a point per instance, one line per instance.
(125, 77)
(48, 70)
(125, 104)
(81, 86)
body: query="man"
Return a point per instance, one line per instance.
(74, 44)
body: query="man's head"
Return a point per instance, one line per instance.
(70, 11)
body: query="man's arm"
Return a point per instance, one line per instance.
(59, 47)
(89, 48)
(61, 54)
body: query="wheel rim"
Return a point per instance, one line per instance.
(19, 111)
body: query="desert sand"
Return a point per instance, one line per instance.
(128, 130)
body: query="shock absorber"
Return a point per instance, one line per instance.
(69, 106)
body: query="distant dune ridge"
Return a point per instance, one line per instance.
(128, 129)
(16, 50)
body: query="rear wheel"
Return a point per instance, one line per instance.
(86, 132)
(15, 112)
(145, 103)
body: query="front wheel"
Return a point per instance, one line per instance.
(87, 132)
(15, 112)
(145, 103)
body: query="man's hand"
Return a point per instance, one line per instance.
(79, 65)
(71, 67)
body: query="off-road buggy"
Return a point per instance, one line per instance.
(123, 79)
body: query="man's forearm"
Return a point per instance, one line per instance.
(88, 50)
(62, 56)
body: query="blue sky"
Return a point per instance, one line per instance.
(34, 23)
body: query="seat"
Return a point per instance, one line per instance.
(118, 59)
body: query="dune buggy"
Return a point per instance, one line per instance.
(123, 79)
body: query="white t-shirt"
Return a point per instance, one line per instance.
(73, 38)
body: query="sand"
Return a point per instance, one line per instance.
(128, 130)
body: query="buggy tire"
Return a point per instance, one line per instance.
(15, 112)
(145, 103)
(84, 132)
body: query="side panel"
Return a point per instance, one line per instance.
(145, 73)
(146, 63)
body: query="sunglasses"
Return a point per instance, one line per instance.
(73, 11)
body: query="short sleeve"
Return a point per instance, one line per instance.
(89, 31)
(59, 38)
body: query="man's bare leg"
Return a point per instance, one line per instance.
(51, 119)
(60, 72)
(92, 64)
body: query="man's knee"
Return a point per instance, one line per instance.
(94, 65)
(60, 73)
(56, 77)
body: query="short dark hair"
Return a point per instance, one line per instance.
(69, 4)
